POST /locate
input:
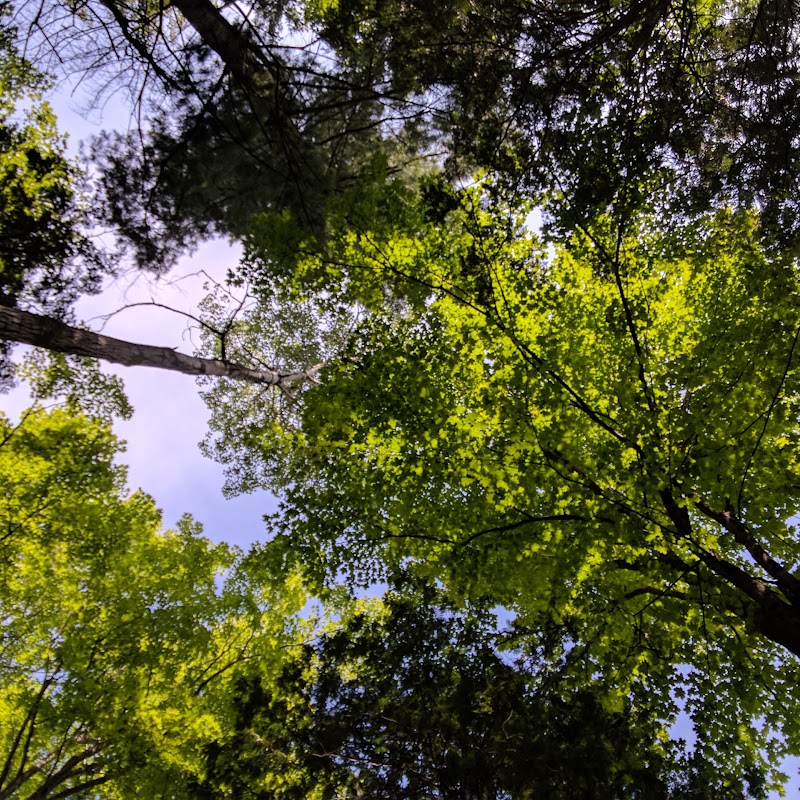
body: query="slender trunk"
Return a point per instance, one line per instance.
(26, 328)
(256, 70)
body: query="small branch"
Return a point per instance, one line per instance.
(652, 590)
(529, 520)
(71, 768)
(775, 398)
(154, 304)
(74, 791)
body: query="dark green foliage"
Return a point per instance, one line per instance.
(584, 105)
(416, 701)
(201, 171)
(46, 258)
(438, 199)
(583, 101)
(284, 137)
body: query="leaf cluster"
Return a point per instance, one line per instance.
(411, 697)
(119, 640)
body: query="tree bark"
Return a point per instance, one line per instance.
(26, 328)
(237, 52)
(770, 614)
(259, 73)
(787, 583)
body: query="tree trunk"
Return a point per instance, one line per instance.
(259, 73)
(26, 328)
(771, 615)
(237, 52)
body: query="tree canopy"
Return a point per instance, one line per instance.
(583, 105)
(597, 437)
(120, 641)
(524, 311)
(46, 257)
(142, 662)
(411, 697)
(102, 613)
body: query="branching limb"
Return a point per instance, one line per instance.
(787, 583)
(33, 329)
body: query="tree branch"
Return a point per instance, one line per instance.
(657, 593)
(71, 768)
(256, 71)
(787, 583)
(29, 720)
(33, 329)
(772, 616)
(529, 520)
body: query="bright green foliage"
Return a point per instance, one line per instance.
(46, 258)
(118, 639)
(288, 335)
(601, 438)
(75, 381)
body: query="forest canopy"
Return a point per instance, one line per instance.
(514, 340)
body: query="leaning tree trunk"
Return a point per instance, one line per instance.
(26, 328)
(260, 74)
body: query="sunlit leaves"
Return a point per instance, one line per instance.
(545, 426)
(45, 257)
(119, 641)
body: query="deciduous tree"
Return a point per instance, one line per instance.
(599, 437)
(411, 697)
(119, 640)
(281, 107)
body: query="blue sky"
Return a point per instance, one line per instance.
(170, 419)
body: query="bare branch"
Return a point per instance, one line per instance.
(33, 329)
